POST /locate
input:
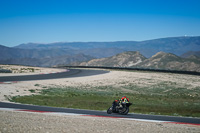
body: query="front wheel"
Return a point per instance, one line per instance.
(109, 111)
(124, 111)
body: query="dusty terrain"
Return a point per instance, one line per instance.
(34, 122)
(113, 78)
(50, 123)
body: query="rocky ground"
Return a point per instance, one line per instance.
(12, 122)
(34, 122)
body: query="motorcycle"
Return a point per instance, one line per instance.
(123, 109)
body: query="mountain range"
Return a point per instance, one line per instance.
(40, 54)
(175, 45)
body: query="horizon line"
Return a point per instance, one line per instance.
(45, 43)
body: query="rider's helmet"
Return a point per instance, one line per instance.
(123, 97)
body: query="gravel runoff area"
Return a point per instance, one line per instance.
(36, 122)
(30, 122)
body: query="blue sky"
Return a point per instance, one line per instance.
(47, 21)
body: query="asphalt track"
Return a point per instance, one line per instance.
(67, 74)
(81, 73)
(34, 108)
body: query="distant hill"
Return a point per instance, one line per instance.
(169, 61)
(126, 59)
(161, 60)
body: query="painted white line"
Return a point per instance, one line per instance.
(7, 109)
(60, 113)
(53, 72)
(35, 111)
(8, 82)
(145, 120)
(56, 72)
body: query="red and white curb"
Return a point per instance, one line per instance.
(74, 114)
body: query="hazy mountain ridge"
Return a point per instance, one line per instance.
(175, 45)
(16, 53)
(49, 62)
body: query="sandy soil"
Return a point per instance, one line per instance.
(26, 70)
(34, 122)
(50, 123)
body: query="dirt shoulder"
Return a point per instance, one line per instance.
(50, 123)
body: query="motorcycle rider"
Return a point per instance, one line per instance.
(120, 103)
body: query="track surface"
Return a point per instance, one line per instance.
(67, 74)
(81, 73)
(100, 113)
